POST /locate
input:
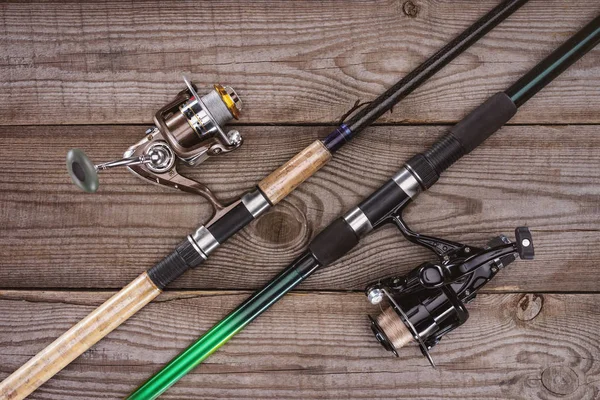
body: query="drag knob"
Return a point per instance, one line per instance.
(82, 171)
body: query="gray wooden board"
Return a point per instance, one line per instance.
(55, 236)
(306, 61)
(317, 345)
(91, 75)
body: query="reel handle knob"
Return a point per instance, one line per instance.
(82, 171)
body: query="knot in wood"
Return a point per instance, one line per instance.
(529, 306)
(281, 227)
(410, 9)
(560, 380)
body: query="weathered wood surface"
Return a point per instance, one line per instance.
(515, 346)
(90, 66)
(55, 236)
(307, 61)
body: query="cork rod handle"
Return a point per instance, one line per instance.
(79, 338)
(302, 166)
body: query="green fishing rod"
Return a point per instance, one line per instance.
(383, 206)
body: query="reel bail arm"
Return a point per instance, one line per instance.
(429, 301)
(189, 129)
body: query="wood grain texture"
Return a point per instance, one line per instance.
(55, 236)
(307, 61)
(281, 182)
(91, 65)
(318, 346)
(79, 338)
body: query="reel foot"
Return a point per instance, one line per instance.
(82, 171)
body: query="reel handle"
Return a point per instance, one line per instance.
(124, 162)
(84, 173)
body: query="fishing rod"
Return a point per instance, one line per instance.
(189, 130)
(384, 206)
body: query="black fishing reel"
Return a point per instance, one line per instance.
(189, 129)
(429, 301)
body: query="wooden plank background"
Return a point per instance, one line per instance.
(91, 75)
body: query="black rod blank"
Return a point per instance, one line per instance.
(410, 82)
(553, 65)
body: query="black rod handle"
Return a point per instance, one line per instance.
(482, 122)
(462, 138)
(486, 119)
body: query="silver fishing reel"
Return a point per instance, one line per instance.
(189, 129)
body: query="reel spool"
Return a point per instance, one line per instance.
(189, 129)
(429, 301)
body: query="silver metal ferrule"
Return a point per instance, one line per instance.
(195, 246)
(205, 241)
(407, 182)
(358, 221)
(256, 203)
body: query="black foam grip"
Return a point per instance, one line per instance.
(175, 264)
(333, 242)
(482, 122)
(462, 138)
(231, 223)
